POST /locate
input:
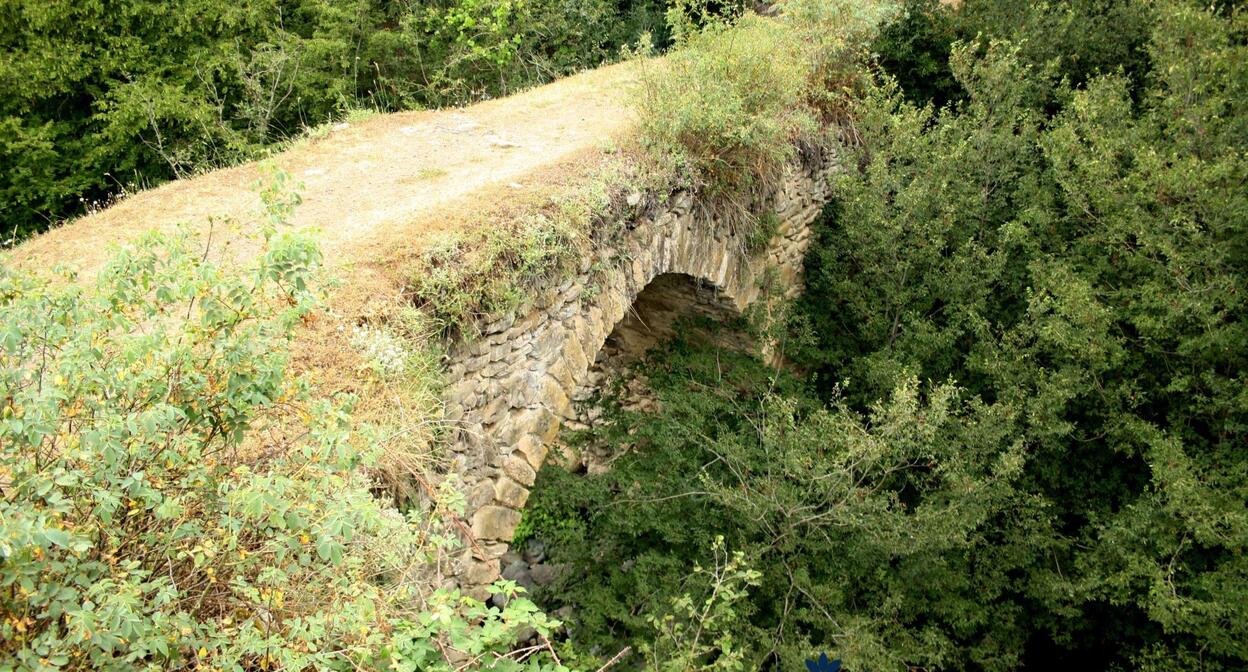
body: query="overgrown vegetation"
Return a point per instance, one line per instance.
(485, 271)
(730, 104)
(739, 97)
(172, 496)
(1017, 435)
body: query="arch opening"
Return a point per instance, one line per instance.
(669, 299)
(671, 304)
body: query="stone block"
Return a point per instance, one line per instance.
(480, 573)
(510, 429)
(568, 308)
(554, 397)
(544, 575)
(495, 369)
(518, 353)
(519, 470)
(545, 425)
(461, 390)
(533, 449)
(574, 355)
(494, 550)
(518, 571)
(522, 388)
(613, 305)
(500, 325)
(510, 493)
(562, 373)
(495, 408)
(453, 412)
(521, 422)
(682, 202)
(548, 346)
(495, 522)
(480, 495)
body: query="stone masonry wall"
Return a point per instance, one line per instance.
(513, 385)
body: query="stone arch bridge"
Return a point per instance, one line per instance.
(378, 187)
(515, 384)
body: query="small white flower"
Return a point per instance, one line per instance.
(381, 348)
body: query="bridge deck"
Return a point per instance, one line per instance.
(389, 179)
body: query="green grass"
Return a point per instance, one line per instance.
(430, 173)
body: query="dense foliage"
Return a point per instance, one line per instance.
(100, 98)
(1061, 256)
(868, 525)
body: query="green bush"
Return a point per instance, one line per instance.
(1085, 265)
(101, 98)
(734, 101)
(172, 496)
(695, 630)
(1079, 39)
(870, 525)
(729, 104)
(915, 50)
(474, 49)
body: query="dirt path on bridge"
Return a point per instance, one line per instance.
(391, 179)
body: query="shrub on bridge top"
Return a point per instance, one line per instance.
(172, 496)
(731, 105)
